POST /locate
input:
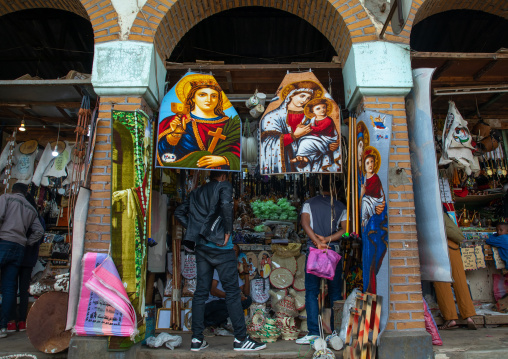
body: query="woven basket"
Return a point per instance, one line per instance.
(289, 250)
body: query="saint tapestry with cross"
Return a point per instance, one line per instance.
(198, 127)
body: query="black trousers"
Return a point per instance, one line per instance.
(216, 311)
(224, 261)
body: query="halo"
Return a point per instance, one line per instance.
(361, 127)
(371, 151)
(318, 93)
(183, 87)
(329, 106)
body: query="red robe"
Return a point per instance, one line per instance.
(293, 120)
(373, 187)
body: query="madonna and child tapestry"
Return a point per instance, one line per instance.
(374, 132)
(300, 129)
(198, 127)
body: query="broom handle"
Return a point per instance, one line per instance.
(357, 227)
(348, 193)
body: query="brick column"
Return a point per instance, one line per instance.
(98, 223)
(406, 307)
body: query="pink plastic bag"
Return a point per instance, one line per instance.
(430, 325)
(322, 263)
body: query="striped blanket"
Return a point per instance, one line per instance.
(104, 308)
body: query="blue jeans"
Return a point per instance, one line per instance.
(11, 256)
(312, 288)
(224, 261)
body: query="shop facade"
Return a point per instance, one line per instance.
(133, 42)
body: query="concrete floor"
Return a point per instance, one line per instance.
(491, 343)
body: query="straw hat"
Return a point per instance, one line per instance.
(28, 147)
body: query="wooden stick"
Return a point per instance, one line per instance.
(357, 211)
(348, 193)
(366, 329)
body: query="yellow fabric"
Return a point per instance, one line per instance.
(444, 290)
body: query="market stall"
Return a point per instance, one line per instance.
(47, 132)
(469, 117)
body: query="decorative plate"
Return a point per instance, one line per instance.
(189, 268)
(284, 262)
(252, 261)
(281, 278)
(264, 264)
(259, 290)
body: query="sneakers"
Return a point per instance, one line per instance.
(308, 339)
(223, 332)
(247, 344)
(197, 345)
(11, 327)
(3, 332)
(21, 326)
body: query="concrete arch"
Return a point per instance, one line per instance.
(432, 7)
(164, 22)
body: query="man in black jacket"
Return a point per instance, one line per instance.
(207, 214)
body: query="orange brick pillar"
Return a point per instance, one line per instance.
(377, 77)
(98, 223)
(406, 308)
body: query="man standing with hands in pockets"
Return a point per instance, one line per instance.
(207, 214)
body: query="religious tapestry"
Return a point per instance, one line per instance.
(373, 132)
(198, 127)
(130, 203)
(300, 129)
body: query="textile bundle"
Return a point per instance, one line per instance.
(104, 308)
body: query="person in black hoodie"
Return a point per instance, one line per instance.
(207, 214)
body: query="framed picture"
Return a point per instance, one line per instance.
(163, 319)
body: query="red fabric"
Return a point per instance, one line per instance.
(430, 325)
(373, 186)
(323, 127)
(292, 120)
(461, 192)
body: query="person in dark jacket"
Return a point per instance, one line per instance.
(25, 275)
(17, 216)
(207, 214)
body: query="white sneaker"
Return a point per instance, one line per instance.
(308, 339)
(3, 332)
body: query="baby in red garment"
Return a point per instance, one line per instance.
(313, 146)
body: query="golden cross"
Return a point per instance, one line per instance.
(216, 136)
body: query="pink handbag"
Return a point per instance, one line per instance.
(322, 263)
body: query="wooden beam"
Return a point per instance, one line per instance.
(484, 69)
(62, 104)
(487, 104)
(442, 69)
(458, 55)
(293, 66)
(41, 119)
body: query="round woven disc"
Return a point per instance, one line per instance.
(281, 278)
(45, 325)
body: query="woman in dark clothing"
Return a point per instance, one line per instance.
(25, 276)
